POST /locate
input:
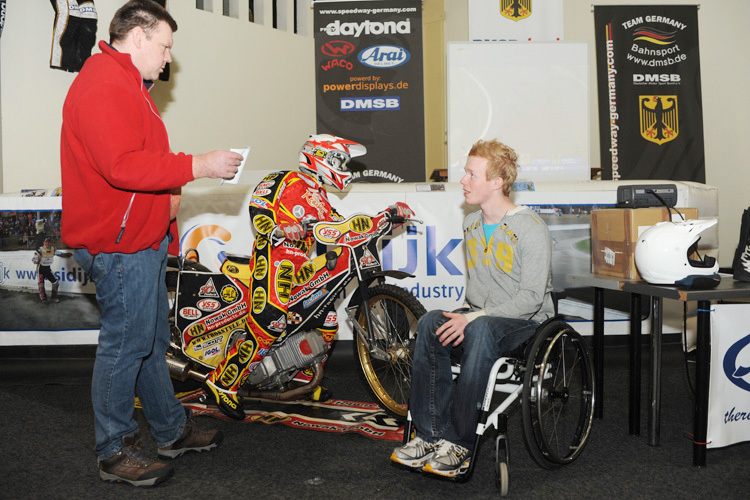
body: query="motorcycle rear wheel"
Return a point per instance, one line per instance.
(394, 313)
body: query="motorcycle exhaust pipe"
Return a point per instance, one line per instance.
(180, 370)
(292, 394)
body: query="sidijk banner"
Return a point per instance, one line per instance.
(369, 79)
(729, 382)
(648, 76)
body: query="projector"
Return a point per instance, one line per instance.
(646, 195)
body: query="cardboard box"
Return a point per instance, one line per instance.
(614, 234)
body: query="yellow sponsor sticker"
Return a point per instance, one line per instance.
(259, 300)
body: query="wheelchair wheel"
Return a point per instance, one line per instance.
(558, 396)
(394, 314)
(501, 478)
(502, 465)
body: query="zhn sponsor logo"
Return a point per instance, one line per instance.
(384, 56)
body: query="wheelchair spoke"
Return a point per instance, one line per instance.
(558, 396)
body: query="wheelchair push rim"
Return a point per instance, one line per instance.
(558, 396)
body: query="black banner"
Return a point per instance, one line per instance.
(648, 73)
(369, 80)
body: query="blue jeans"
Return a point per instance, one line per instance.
(133, 339)
(437, 410)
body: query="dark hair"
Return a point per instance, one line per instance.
(146, 14)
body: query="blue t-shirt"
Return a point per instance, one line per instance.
(488, 230)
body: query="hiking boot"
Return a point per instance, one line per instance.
(227, 402)
(131, 465)
(449, 460)
(192, 439)
(414, 454)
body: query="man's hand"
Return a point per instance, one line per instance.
(291, 230)
(402, 210)
(452, 331)
(216, 164)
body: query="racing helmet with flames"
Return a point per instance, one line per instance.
(663, 254)
(326, 156)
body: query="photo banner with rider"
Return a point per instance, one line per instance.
(648, 78)
(369, 84)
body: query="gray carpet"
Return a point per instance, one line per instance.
(47, 450)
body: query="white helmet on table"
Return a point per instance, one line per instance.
(663, 253)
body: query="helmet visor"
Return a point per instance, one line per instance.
(337, 159)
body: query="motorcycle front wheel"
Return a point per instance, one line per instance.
(394, 313)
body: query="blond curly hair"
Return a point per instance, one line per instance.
(502, 161)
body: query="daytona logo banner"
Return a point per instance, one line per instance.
(649, 86)
(369, 84)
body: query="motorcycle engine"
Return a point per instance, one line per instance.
(279, 366)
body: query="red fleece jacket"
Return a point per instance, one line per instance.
(113, 145)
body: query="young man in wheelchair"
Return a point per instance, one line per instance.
(509, 284)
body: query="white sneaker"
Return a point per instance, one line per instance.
(449, 460)
(414, 454)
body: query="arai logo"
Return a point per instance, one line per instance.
(384, 56)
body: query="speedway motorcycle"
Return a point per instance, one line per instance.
(211, 309)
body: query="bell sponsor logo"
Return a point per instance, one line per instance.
(190, 313)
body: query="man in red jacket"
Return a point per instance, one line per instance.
(118, 174)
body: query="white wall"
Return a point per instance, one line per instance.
(724, 43)
(233, 84)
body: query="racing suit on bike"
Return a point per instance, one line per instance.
(281, 198)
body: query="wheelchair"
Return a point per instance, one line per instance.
(552, 376)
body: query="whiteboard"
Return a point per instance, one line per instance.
(532, 96)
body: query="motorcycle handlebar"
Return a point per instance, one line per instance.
(391, 214)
